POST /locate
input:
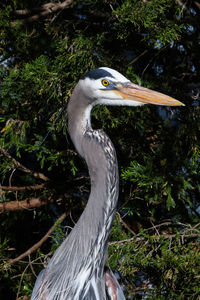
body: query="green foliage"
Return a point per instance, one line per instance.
(152, 18)
(57, 237)
(161, 265)
(155, 186)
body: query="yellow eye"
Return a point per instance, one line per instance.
(105, 82)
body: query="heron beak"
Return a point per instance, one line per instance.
(134, 92)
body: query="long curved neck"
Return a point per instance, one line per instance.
(98, 151)
(76, 269)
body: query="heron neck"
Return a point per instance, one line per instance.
(101, 206)
(79, 110)
(98, 151)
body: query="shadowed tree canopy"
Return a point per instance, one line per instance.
(45, 47)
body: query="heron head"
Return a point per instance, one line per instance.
(109, 87)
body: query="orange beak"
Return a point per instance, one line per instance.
(131, 91)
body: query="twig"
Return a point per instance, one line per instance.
(10, 177)
(122, 241)
(38, 244)
(154, 227)
(137, 57)
(158, 53)
(156, 237)
(20, 282)
(23, 168)
(125, 225)
(30, 264)
(197, 225)
(159, 225)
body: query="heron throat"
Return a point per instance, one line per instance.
(99, 153)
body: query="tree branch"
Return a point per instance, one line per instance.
(24, 204)
(28, 12)
(38, 244)
(22, 188)
(23, 168)
(41, 12)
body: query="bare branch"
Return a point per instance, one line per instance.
(188, 233)
(28, 12)
(19, 166)
(137, 57)
(20, 283)
(41, 12)
(156, 237)
(22, 188)
(24, 204)
(125, 225)
(38, 244)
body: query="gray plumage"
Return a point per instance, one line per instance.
(76, 270)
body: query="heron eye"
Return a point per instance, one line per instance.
(105, 82)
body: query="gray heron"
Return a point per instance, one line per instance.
(77, 269)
